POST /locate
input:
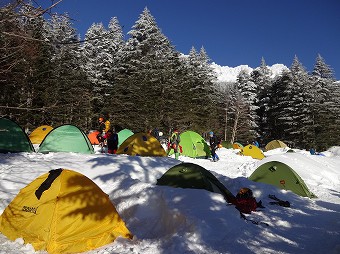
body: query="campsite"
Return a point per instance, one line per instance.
(164, 205)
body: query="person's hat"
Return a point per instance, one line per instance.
(211, 133)
(101, 119)
(176, 130)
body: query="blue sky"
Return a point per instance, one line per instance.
(232, 32)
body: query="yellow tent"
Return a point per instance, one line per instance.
(142, 144)
(38, 135)
(62, 212)
(275, 144)
(253, 151)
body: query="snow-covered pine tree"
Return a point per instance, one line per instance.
(325, 107)
(322, 70)
(68, 83)
(261, 76)
(145, 77)
(199, 94)
(301, 128)
(248, 91)
(96, 56)
(34, 69)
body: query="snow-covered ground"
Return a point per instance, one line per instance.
(174, 220)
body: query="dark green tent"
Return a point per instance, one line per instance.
(12, 138)
(66, 138)
(282, 176)
(193, 176)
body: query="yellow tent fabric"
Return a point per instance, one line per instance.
(253, 151)
(275, 144)
(38, 135)
(63, 212)
(142, 144)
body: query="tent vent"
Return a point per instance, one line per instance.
(272, 169)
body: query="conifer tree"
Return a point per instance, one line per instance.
(325, 107)
(35, 65)
(280, 115)
(302, 128)
(261, 76)
(248, 91)
(199, 93)
(68, 92)
(322, 70)
(11, 59)
(97, 58)
(145, 77)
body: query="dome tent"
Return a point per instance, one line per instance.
(275, 144)
(12, 138)
(141, 144)
(282, 176)
(193, 176)
(253, 151)
(93, 137)
(62, 212)
(193, 145)
(38, 135)
(124, 135)
(66, 138)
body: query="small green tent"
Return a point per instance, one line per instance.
(193, 145)
(282, 176)
(124, 135)
(66, 138)
(193, 176)
(12, 138)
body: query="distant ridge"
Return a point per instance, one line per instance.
(229, 74)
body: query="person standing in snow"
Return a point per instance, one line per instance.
(111, 141)
(107, 123)
(214, 142)
(101, 129)
(174, 143)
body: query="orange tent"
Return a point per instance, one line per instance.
(93, 137)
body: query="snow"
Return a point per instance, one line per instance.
(174, 220)
(229, 74)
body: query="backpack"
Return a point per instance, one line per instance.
(245, 201)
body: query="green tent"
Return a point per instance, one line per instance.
(123, 135)
(12, 138)
(193, 176)
(66, 138)
(193, 145)
(282, 176)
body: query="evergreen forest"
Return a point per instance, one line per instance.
(49, 75)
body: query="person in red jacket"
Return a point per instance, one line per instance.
(111, 138)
